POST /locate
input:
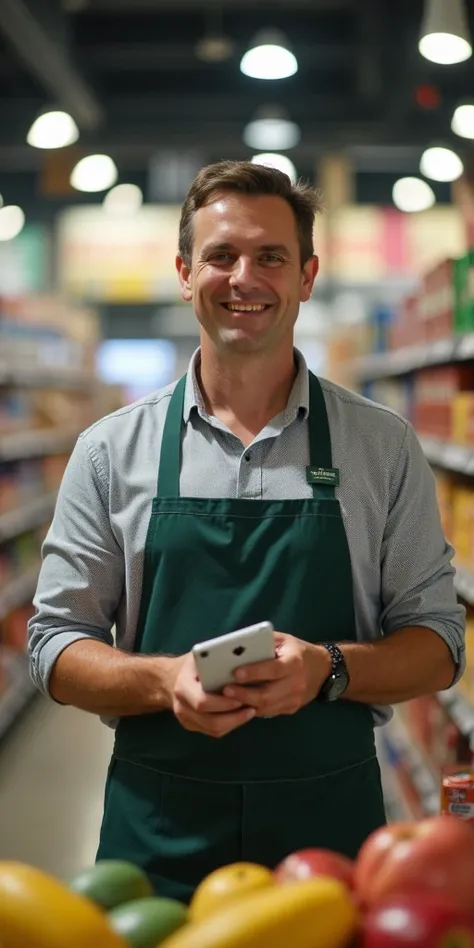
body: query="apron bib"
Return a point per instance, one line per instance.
(180, 804)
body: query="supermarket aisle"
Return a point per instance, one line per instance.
(52, 774)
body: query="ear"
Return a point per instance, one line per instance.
(308, 276)
(185, 279)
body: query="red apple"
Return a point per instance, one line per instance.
(307, 863)
(423, 919)
(435, 854)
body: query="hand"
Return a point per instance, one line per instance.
(195, 710)
(285, 684)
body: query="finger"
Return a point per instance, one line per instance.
(192, 694)
(263, 698)
(261, 671)
(221, 724)
(214, 704)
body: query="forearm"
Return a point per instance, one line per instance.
(406, 664)
(103, 680)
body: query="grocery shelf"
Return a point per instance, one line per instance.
(17, 592)
(464, 584)
(460, 710)
(398, 807)
(42, 378)
(36, 443)
(27, 517)
(18, 694)
(453, 457)
(416, 764)
(402, 361)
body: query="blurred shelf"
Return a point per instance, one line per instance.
(36, 443)
(30, 515)
(453, 457)
(464, 584)
(19, 591)
(19, 693)
(397, 805)
(403, 361)
(42, 378)
(460, 710)
(416, 764)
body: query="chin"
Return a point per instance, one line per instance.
(237, 341)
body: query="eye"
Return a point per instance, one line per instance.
(221, 257)
(271, 258)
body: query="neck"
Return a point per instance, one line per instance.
(249, 389)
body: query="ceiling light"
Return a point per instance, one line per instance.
(94, 173)
(445, 36)
(214, 46)
(441, 164)
(412, 194)
(269, 57)
(271, 130)
(12, 220)
(53, 130)
(463, 121)
(214, 49)
(281, 162)
(123, 201)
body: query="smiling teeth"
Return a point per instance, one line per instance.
(246, 307)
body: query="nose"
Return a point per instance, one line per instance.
(243, 275)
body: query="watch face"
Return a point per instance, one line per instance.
(337, 687)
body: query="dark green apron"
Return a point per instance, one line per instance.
(180, 804)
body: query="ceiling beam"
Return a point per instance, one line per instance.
(173, 6)
(48, 61)
(156, 56)
(370, 36)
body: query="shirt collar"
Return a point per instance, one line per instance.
(298, 400)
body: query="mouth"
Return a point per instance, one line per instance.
(246, 309)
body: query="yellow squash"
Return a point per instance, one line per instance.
(38, 911)
(317, 913)
(226, 884)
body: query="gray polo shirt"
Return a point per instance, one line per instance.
(91, 575)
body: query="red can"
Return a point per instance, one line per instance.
(457, 793)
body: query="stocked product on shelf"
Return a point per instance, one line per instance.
(47, 333)
(19, 554)
(457, 792)
(407, 327)
(436, 409)
(48, 394)
(442, 306)
(438, 401)
(396, 394)
(438, 301)
(435, 733)
(26, 480)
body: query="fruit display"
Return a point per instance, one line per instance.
(412, 884)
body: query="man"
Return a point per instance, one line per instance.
(279, 497)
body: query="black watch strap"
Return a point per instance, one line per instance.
(338, 679)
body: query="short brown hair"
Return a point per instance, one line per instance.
(247, 178)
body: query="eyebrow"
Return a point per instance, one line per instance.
(267, 248)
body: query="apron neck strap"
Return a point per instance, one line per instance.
(170, 456)
(320, 474)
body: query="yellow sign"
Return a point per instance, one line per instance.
(105, 259)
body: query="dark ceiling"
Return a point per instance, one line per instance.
(128, 72)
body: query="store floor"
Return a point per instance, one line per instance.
(52, 775)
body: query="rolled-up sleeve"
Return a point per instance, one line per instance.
(82, 574)
(416, 568)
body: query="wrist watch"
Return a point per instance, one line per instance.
(338, 680)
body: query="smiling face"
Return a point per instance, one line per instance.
(246, 280)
